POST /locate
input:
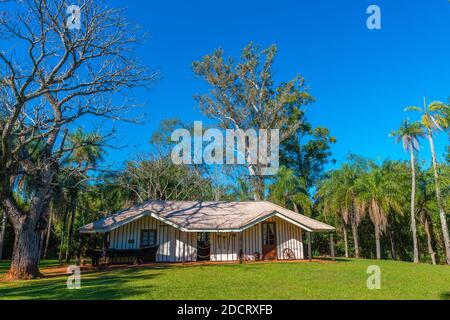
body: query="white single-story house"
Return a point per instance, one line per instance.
(182, 231)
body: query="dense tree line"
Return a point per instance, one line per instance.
(370, 205)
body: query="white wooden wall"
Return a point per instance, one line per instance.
(288, 236)
(170, 239)
(224, 246)
(252, 241)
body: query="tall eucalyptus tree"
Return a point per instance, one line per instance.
(246, 96)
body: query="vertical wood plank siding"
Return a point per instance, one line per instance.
(169, 238)
(289, 236)
(252, 242)
(224, 246)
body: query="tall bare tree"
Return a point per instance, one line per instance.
(53, 74)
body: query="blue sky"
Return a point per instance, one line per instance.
(362, 79)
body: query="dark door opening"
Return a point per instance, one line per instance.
(203, 246)
(269, 241)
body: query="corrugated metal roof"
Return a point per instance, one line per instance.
(212, 216)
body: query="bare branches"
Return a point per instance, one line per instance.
(51, 76)
(157, 178)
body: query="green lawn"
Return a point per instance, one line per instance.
(345, 279)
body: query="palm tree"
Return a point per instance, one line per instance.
(378, 194)
(289, 191)
(409, 133)
(433, 119)
(330, 201)
(338, 194)
(446, 113)
(87, 151)
(350, 202)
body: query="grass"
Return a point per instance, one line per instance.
(344, 279)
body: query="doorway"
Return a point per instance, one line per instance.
(269, 241)
(203, 246)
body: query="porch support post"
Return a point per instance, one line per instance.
(184, 246)
(105, 246)
(332, 246)
(241, 250)
(309, 246)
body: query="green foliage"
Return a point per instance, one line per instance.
(307, 152)
(289, 191)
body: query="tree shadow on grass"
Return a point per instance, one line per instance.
(120, 285)
(6, 264)
(445, 295)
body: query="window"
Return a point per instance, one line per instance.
(268, 233)
(148, 238)
(203, 237)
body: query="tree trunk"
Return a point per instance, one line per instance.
(27, 231)
(439, 200)
(393, 247)
(344, 230)
(41, 244)
(429, 243)
(61, 244)
(413, 197)
(355, 238)
(377, 243)
(3, 233)
(49, 231)
(73, 209)
(63, 233)
(25, 260)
